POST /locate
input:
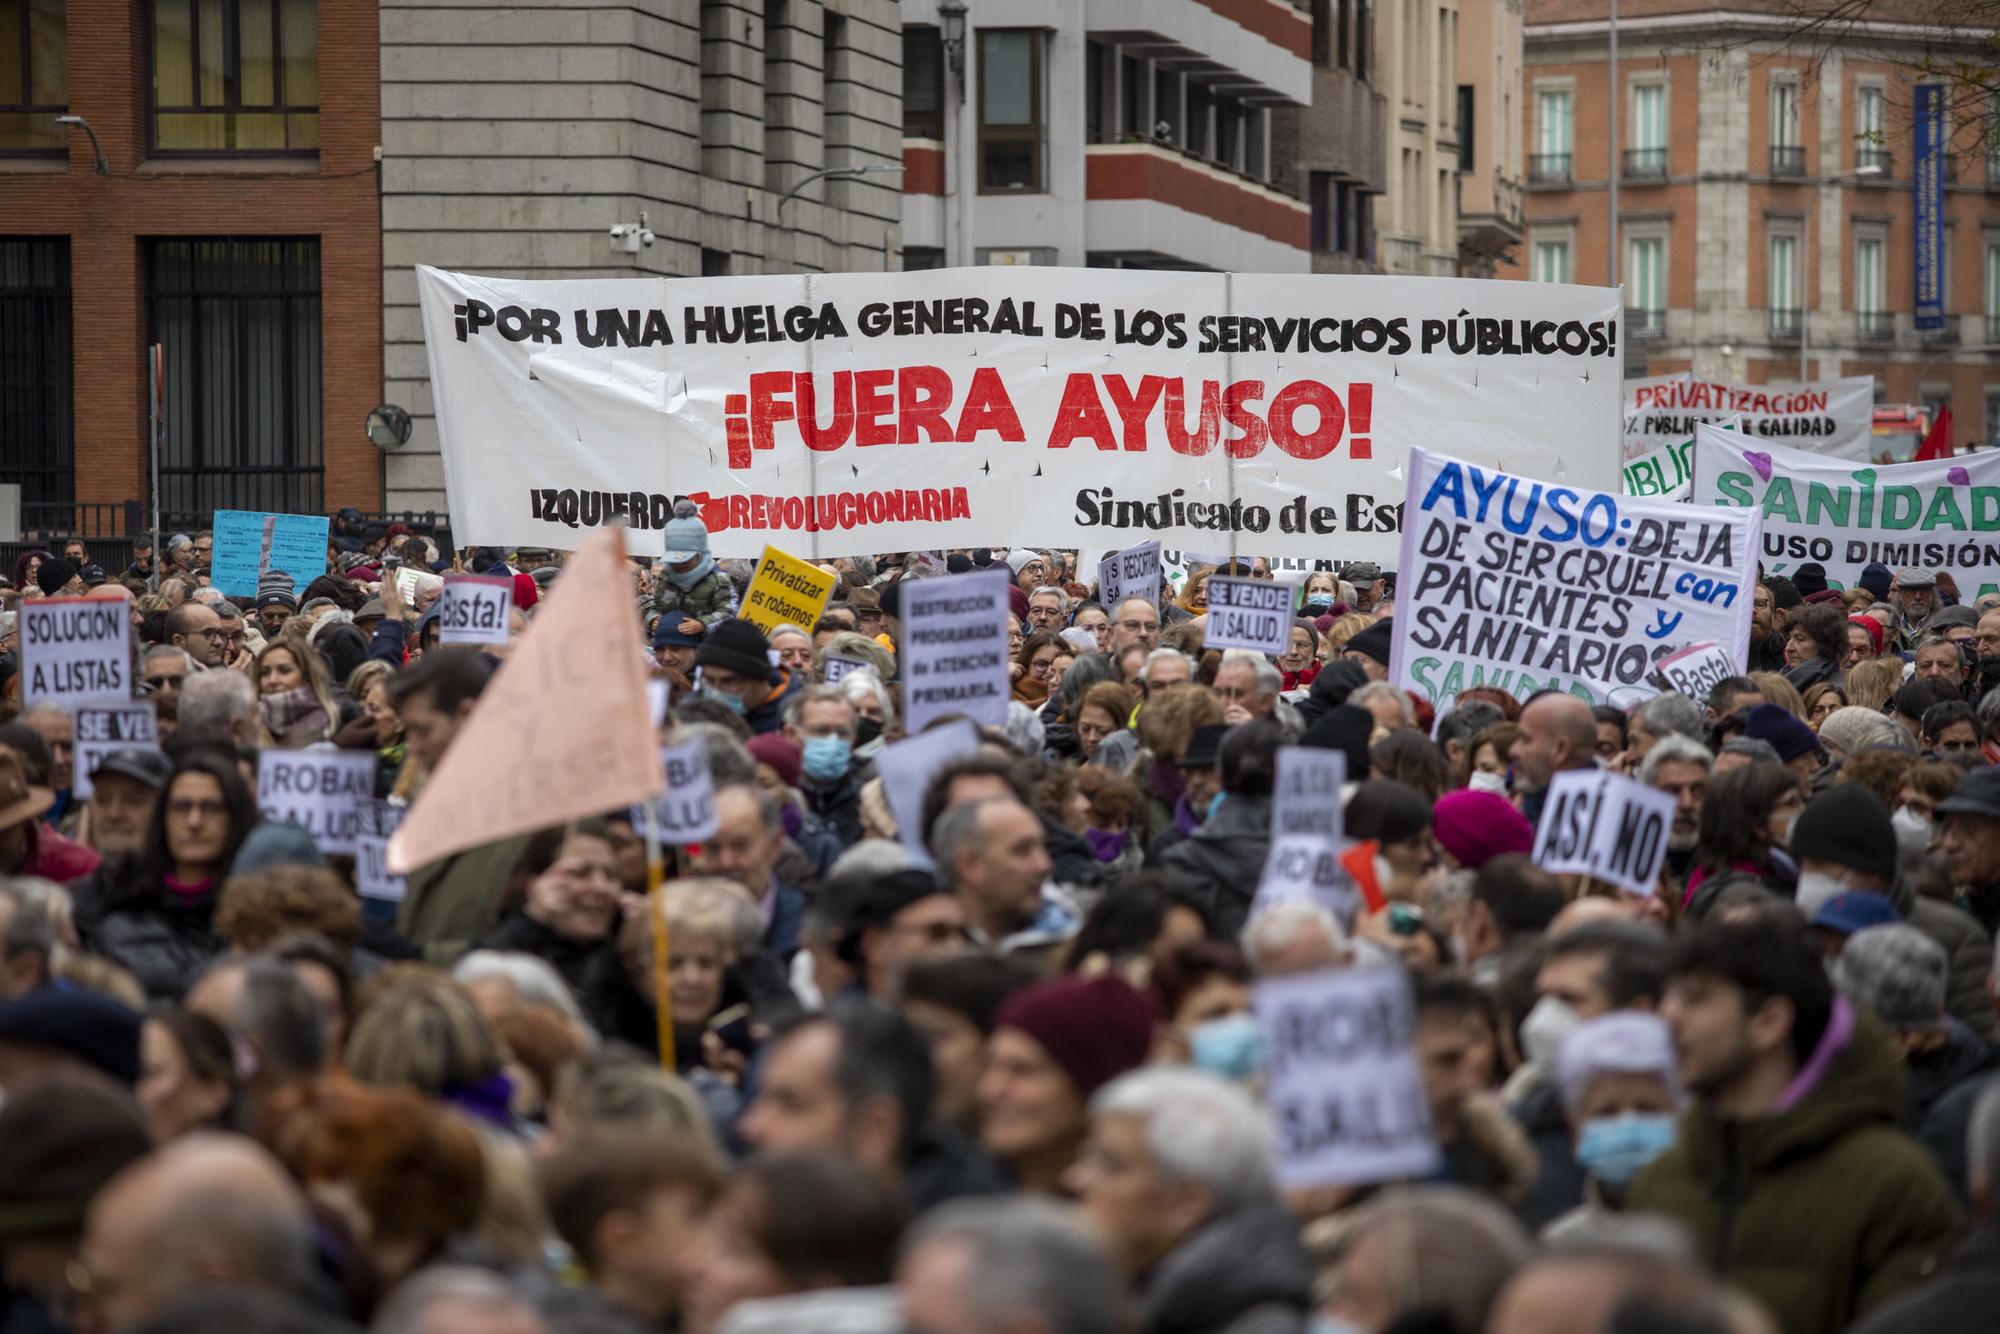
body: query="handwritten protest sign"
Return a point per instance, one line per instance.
(1305, 798)
(517, 764)
(1605, 826)
(1943, 514)
(1131, 573)
(955, 648)
(321, 791)
(103, 728)
(1830, 417)
(659, 694)
(1698, 669)
(906, 768)
(473, 609)
(372, 877)
(1346, 1099)
(1306, 866)
(408, 579)
(75, 651)
(1248, 613)
(1509, 583)
(842, 413)
(687, 806)
(250, 544)
(786, 591)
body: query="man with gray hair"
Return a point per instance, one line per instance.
(458, 1299)
(219, 707)
(207, 1210)
(1294, 936)
(1247, 684)
(1455, 731)
(992, 853)
(1165, 667)
(1048, 608)
(1900, 975)
(1007, 1264)
(1659, 717)
(1679, 766)
(1176, 1180)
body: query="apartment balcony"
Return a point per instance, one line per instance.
(1153, 206)
(1643, 323)
(1786, 325)
(1645, 164)
(1993, 330)
(1874, 166)
(1788, 160)
(1259, 52)
(1548, 169)
(1874, 326)
(1485, 234)
(1945, 335)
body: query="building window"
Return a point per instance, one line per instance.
(1010, 111)
(1550, 162)
(1871, 143)
(239, 323)
(1552, 261)
(1646, 282)
(34, 76)
(1992, 289)
(1096, 66)
(920, 257)
(1646, 150)
(1200, 109)
(1872, 322)
(1781, 284)
(1466, 116)
(1322, 38)
(1132, 97)
(923, 83)
(235, 76)
(36, 450)
(1788, 156)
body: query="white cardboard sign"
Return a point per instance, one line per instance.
(1131, 573)
(1305, 798)
(372, 877)
(1248, 613)
(1697, 669)
(473, 609)
(104, 728)
(906, 769)
(1346, 1099)
(1306, 866)
(954, 649)
(321, 791)
(75, 651)
(1606, 826)
(837, 667)
(687, 807)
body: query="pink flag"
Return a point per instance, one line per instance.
(563, 730)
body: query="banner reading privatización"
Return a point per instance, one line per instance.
(1941, 515)
(1835, 417)
(1507, 582)
(847, 413)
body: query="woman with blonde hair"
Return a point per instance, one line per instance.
(1870, 683)
(712, 928)
(379, 728)
(295, 704)
(1336, 636)
(1777, 689)
(420, 1030)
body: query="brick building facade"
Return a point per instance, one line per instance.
(235, 220)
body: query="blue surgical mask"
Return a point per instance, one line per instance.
(734, 702)
(1232, 1046)
(1614, 1148)
(826, 757)
(1214, 805)
(1319, 604)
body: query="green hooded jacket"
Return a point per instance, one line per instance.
(1822, 1212)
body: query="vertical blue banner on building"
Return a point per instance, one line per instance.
(1929, 247)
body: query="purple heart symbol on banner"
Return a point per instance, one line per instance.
(1760, 462)
(1958, 477)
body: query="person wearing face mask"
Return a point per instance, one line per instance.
(1621, 1094)
(1845, 843)
(736, 672)
(822, 720)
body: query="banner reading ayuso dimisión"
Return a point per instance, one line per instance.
(846, 413)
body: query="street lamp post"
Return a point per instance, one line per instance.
(1805, 292)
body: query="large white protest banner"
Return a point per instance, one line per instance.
(321, 791)
(1254, 614)
(1941, 515)
(1668, 472)
(1605, 826)
(838, 414)
(101, 729)
(1831, 417)
(1509, 583)
(954, 648)
(1341, 1080)
(75, 651)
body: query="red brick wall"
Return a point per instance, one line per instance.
(108, 218)
(1143, 173)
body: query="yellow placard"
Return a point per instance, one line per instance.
(786, 591)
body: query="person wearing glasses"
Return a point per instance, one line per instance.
(198, 631)
(152, 912)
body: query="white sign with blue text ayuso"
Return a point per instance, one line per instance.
(1527, 587)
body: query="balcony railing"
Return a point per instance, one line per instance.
(1945, 335)
(1786, 324)
(1874, 326)
(1643, 323)
(1788, 160)
(1878, 163)
(1548, 168)
(1645, 164)
(1507, 199)
(1993, 328)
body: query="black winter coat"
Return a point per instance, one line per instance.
(161, 939)
(1223, 860)
(519, 933)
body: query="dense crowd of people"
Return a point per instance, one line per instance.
(1016, 1083)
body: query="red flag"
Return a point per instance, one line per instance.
(1937, 444)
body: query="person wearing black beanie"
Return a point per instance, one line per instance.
(58, 578)
(736, 670)
(1345, 728)
(1370, 648)
(1843, 842)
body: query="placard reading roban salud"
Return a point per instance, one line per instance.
(1525, 587)
(836, 414)
(1943, 514)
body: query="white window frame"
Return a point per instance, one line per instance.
(1871, 286)
(1553, 259)
(1788, 293)
(1785, 130)
(1637, 137)
(1646, 238)
(1558, 136)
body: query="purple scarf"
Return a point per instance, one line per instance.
(1106, 845)
(1185, 820)
(490, 1100)
(1839, 1032)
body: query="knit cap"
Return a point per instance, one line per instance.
(1475, 827)
(1624, 1042)
(1787, 735)
(685, 537)
(1852, 729)
(53, 574)
(780, 752)
(275, 589)
(1846, 825)
(1875, 577)
(1373, 641)
(737, 646)
(1096, 1029)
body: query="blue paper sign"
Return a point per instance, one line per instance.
(249, 543)
(1929, 187)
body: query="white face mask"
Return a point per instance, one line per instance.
(1481, 781)
(1815, 889)
(1543, 1031)
(1911, 828)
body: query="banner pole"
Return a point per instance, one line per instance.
(656, 908)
